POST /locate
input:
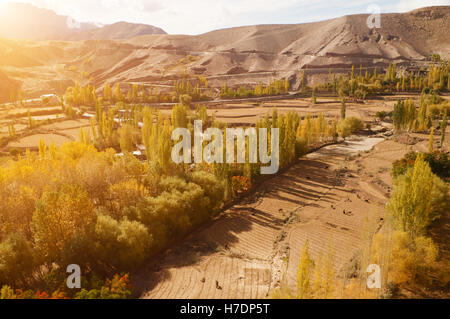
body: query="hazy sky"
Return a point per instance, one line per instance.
(199, 16)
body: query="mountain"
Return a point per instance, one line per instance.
(286, 50)
(25, 21)
(116, 31)
(240, 55)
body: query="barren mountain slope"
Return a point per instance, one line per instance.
(116, 31)
(236, 55)
(25, 21)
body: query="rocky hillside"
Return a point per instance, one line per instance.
(236, 55)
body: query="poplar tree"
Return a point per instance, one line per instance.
(343, 109)
(126, 138)
(94, 131)
(118, 93)
(147, 129)
(42, 149)
(304, 271)
(30, 119)
(303, 81)
(164, 147)
(287, 85)
(443, 129)
(431, 141)
(412, 201)
(107, 92)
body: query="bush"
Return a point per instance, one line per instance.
(301, 147)
(361, 93)
(241, 184)
(411, 259)
(439, 164)
(59, 217)
(381, 115)
(16, 260)
(117, 288)
(350, 126)
(124, 244)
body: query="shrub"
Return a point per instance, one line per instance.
(381, 115)
(301, 147)
(124, 244)
(350, 126)
(59, 217)
(117, 288)
(16, 259)
(240, 184)
(7, 293)
(439, 163)
(411, 259)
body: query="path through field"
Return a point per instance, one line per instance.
(332, 194)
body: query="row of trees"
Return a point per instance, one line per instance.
(406, 116)
(419, 198)
(198, 91)
(364, 83)
(276, 87)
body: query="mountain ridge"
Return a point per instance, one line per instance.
(28, 22)
(240, 55)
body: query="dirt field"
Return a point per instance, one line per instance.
(243, 253)
(248, 113)
(338, 193)
(58, 132)
(33, 140)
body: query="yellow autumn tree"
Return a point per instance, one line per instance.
(416, 200)
(304, 272)
(59, 218)
(431, 141)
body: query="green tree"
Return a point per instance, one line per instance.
(418, 198)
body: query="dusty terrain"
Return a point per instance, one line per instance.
(238, 55)
(337, 193)
(247, 250)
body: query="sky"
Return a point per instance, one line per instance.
(200, 16)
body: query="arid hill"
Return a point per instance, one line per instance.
(25, 21)
(116, 31)
(236, 55)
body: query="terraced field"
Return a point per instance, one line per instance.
(250, 248)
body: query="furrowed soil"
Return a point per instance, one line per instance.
(334, 193)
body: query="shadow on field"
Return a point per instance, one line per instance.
(300, 184)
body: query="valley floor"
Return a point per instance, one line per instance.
(252, 247)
